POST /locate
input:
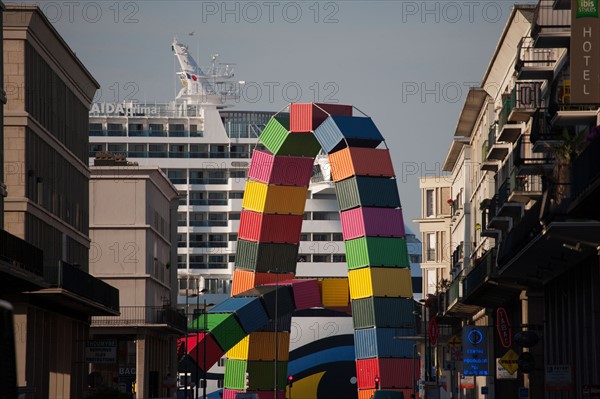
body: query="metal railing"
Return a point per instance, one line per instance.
(454, 290)
(71, 278)
(521, 234)
(530, 56)
(21, 254)
(545, 16)
(585, 169)
(483, 267)
(143, 315)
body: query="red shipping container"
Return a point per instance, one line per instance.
(230, 393)
(392, 373)
(360, 161)
(372, 222)
(261, 227)
(195, 348)
(280, 170)
(368, 393)
(243, 280)
(306, 117)
(307, 293)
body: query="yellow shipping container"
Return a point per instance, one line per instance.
(335, 292)
(272, 199)
(380, 282)
(261, 346)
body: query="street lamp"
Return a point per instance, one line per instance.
(276, 327)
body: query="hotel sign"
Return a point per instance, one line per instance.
(585, 52)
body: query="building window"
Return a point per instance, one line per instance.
(322, 258)
(430, 247)
(337, 237)
(339, 258)
(304, 237)
(236, 195)
(321, 237)
(415, 258)
(429, 203)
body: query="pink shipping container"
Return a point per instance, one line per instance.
(261, 227)
(392, 373)
(307, 293)
(360, 161)
(195, 348)
(243, 280)
(280, 170)
(231, 393)
(306, 117)
(372, 222)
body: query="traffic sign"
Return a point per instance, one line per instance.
(454, 341)
(510, 361)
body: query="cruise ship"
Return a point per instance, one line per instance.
(204, 147)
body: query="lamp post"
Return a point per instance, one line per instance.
(204, 330)
(276, 320)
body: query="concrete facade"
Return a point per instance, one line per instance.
(133, 232)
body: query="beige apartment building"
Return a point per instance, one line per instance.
(44, 267)
(133, 232)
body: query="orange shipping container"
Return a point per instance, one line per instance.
(359, 161)
(335, 292)
(261, 346)
(286, 200)
(243, 280)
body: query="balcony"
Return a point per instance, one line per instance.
(526, 98)
(496, 151)
(537, 63)
(551, 27)
(454, 304)
(71, 287)
(546, 244)
(144, 316)
(482, 286)
(21, 264)
(561, 4)
(585, 183)
(524, 188)
(528, 163)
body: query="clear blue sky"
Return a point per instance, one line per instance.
(407, 64)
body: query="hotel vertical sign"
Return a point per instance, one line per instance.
(585, 52)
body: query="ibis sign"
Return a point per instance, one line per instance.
(503, 328)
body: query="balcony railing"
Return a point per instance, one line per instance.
(21, 254)
(521, 234)
(545, 16)
(585, 169)
(143, 315)
(77, 281)
(454, 291)
(458, 254)
(527, 96)
(484, 267)
(530, 56)
(492, 135)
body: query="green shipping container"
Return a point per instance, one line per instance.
(264, 257)
(367, 191)
(376, 251)
(224, 327)
(383, 312)
(260, 375)
(277, 138)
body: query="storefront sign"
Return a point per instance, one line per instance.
(503, 328)
(475, 351)
(467, 381)
(559, 377)
(101, 351)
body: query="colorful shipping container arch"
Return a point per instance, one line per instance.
(264, 284)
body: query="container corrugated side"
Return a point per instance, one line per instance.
(306, 117)
(265, 257)
(232, 393)
(262, 346)
(380, 282)
(300, 145)
(225, 328)
(374, 222)
(275, 133)
(382, 312)
(392, 373)
(360, 161)
(307, 293)
(380, 342)
(280, 170)
(239, 350)
(250, 312)
(363, 191)
(255, 226)
(261, 374)
(283, 324)
(213, 350)
(286, 200)
(334, 292)
(270, 295)
(376, 251)
(337, 132)
(235, 374)
(244, 280)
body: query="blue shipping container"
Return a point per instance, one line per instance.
(383, 312)
(269, 294)
(249, 311)
(380, 342)
(341, 131)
